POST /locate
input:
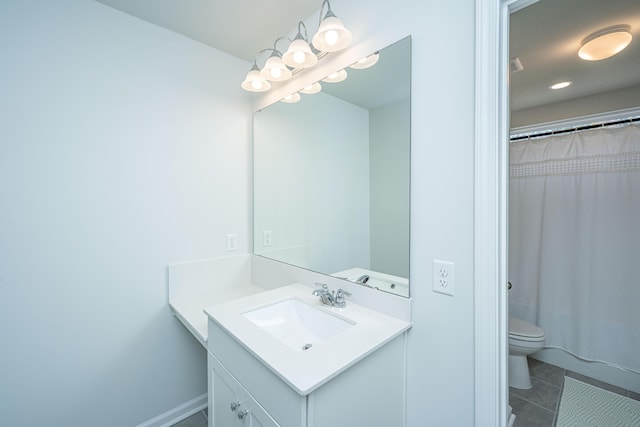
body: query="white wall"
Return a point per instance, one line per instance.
(124, 147)
(441, 358)
(120, 177)
(390, 203)
(441, 343)
(312, 182)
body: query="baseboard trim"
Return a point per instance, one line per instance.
(177, 414)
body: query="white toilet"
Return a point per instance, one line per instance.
(524, 339)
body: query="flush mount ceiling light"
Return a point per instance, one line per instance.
(331, 36)
(336, 77)
(367, 62)
(560, 85)
(605, 43)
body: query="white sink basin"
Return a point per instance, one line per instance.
(296, 324)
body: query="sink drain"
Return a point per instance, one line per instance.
(307, 346)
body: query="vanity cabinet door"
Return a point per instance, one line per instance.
(233, 405)
(221, 412)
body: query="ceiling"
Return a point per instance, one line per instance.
(545, 36)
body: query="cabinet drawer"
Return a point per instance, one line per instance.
(284, 405)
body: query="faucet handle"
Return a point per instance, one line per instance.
(343, 292)
(324, 289)
(340, 302)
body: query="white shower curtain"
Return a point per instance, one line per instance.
(574, 241)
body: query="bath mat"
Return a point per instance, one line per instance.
(586, 405)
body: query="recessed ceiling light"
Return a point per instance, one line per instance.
(560, 85)
(605, 43)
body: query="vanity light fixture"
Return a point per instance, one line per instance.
(291, 99)
(254, 82)
(275, 69)
(336, 77)
(299, 54)
(367, 62)
(330, 37)
(560, 85)
(605, 43)
(311, 89)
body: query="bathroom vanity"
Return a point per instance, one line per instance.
(354, 376)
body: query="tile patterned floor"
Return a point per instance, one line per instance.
(538, 406)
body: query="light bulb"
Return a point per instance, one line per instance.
(276, 73)
(256, 84)
(331, 37)
(298, 57)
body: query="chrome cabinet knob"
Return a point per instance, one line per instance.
(242, 414)
(235, 405)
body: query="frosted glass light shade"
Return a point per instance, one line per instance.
(336, 77)
(311, 89)
(299, 55)
(275, 70)
(367, 62)
(605, 43)
(254, 82)
(332, 35)
(291, 99)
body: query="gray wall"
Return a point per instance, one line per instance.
(124, 147)
(390, 137)
(584, 106)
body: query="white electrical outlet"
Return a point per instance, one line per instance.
(443, 277)
(267, 238)
(232, 242)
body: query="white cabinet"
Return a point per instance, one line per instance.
(230, 404)
(369, 393)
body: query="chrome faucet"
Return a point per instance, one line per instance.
(331, 298)
(363, 279)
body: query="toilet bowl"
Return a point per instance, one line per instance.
(524, 339)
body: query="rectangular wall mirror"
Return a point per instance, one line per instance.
(331, 176)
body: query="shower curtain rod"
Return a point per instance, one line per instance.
(573, 129)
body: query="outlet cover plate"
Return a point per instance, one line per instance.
(443, 277)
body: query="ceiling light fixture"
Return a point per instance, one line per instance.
(560, 85)
(605, 43)
(331, 36)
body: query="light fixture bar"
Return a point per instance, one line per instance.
(330, 37)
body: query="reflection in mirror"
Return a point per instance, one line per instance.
(331, 176)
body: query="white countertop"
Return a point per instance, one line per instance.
(188, 308)
(305, 371)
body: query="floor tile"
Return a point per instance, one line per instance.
(545, 372)
(529, 414)
(543, 394)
